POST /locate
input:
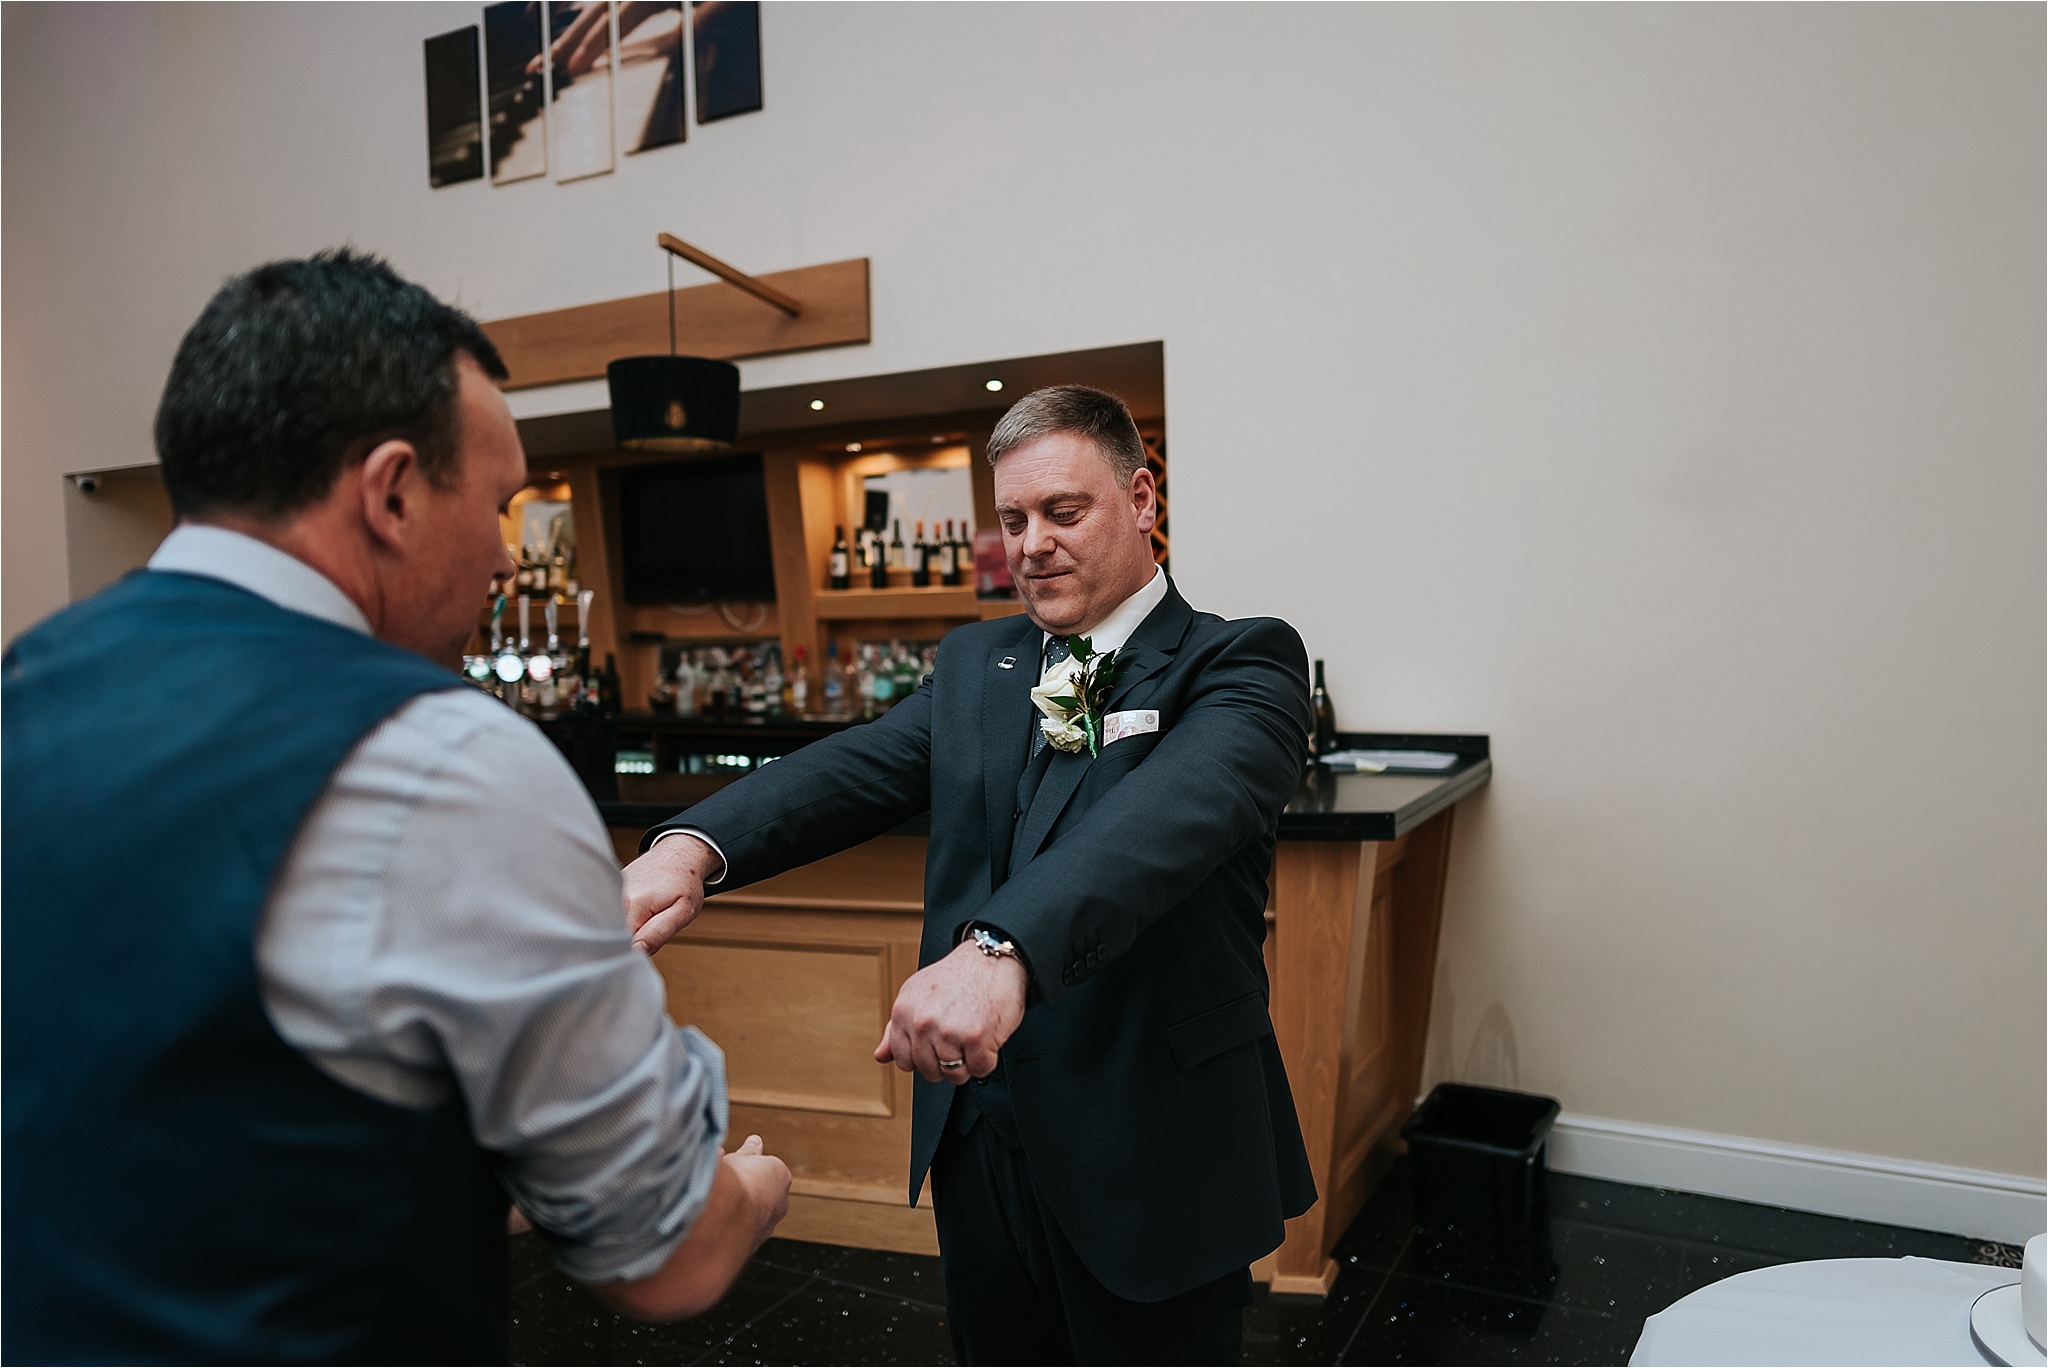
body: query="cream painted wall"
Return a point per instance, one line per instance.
(1659, 389)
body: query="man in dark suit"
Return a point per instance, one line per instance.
(1104, 1112)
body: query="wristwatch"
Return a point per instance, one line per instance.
(990, 944)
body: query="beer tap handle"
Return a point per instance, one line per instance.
(553, 613)
(583, 602)
(525, 623)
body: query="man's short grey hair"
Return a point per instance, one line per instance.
(1091, 413)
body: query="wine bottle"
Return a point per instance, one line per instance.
(896, 554)
(878, 569)
(686, 687)
(920, 568)
(870, 684)
(902, 671)
(776, 686)
(835, 682)
(608, 691)
(954, 557)
(842, 572)
(1325, 738)
(799, 685)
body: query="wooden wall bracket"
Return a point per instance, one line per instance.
(718, 320)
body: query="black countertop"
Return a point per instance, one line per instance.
(1326, 807)
(1379, 807)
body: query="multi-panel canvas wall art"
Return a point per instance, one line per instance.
(568, 85)
(580, 87)
(726, 35)
(455, 132)
(512, 56)
(650, 74)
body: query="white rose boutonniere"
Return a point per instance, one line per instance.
(1072, 696)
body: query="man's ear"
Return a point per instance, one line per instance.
(1145, 498)
(389, 489)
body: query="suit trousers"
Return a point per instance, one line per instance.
(1016, 1292)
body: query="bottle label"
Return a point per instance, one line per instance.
(838, 564)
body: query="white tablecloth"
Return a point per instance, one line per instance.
(1830, 1311)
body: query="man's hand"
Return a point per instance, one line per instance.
(748, 1197)
(766, 1181)
(664, 889)
(959, 1012)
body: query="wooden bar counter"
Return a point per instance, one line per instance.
(794, 977)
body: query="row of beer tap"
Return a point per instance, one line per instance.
(550, 680)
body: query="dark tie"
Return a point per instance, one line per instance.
(1055, 651)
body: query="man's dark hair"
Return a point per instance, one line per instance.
(297, 370)
(1101, 417)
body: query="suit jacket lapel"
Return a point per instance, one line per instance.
(1152, 646)
(1149, 650)
(1005, 711)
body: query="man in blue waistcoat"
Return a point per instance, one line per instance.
(314, 954)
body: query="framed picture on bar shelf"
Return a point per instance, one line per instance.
(726, 38)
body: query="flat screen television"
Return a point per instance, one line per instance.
(696, 531)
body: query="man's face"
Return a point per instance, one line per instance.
(459, 548)
(1077, 542)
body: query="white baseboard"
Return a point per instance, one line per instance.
(1864, 1187)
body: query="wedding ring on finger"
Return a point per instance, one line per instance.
(952, 1063)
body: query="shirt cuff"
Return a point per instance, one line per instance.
(687, 1173)
(719, 877)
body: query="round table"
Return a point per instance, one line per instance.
(1828, 1311)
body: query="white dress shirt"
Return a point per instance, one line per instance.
(449, 920)
(1113, 631)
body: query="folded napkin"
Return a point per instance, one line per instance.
(1377, 761)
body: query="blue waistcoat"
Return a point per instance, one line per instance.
(179, 1183)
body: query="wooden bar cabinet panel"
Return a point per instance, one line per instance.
(1351, 951)
(793, 978)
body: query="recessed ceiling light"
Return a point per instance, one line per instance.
(994, 386)
(853, 446)
(817, 404)
(937, 438)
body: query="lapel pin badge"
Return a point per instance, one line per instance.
(1007, 663)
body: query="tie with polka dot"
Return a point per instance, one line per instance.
(1055, 651)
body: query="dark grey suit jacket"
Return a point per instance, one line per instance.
(1146, 1083)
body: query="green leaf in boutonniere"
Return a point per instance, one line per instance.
(1072, 695)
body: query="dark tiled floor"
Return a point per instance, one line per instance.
(1616, 1255)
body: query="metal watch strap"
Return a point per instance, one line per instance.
(990, 944)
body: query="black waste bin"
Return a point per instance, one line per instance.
(1476, 1159)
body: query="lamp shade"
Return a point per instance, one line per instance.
(679, 404)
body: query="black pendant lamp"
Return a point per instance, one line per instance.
(683, 404)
